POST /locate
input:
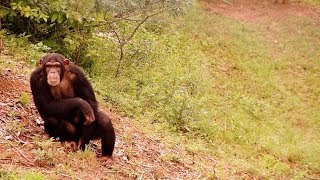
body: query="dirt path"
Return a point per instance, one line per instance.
(257, 11)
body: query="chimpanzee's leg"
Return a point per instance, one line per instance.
(101, 128)
(107, 134)
(61, 128)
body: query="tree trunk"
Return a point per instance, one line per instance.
(78, 55)
(1, 40)
(120, 60)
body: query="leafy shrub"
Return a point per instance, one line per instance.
(164, 78)
(24, 99)
(45, 152)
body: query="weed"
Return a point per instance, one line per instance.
(46, 153)
(28, 175)
(169, 157)
(24, 99)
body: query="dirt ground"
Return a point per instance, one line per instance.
(136, 154)
(257, 10)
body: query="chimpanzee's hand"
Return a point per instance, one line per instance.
(87, 112)
(89, 117)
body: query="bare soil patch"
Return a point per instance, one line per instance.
(257, 10)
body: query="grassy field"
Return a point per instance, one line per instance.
(265, 93)
(246, 92)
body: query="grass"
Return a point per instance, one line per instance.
(312, 2)
(265, 95)
(253, 103)
(24, 99)
(28, 175)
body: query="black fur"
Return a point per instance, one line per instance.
(58, 113)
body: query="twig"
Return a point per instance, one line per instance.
(146, 166)
(310, 177)
(227, 2)
(31, 162)
(120, 41)
(141, 176)
(3, 120)
(115, 171)
(21, 107)
(140, 23)
(16, 137)
(66, 175)
(24, 163)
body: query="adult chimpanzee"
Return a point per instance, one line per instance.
(66, 102)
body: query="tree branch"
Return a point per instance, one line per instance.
(139, 24)
(31, 162)
(120, 41)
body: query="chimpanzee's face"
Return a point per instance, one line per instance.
(53, 71)
(53, 66)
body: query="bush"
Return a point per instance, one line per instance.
(164, 78)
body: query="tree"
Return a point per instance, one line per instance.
(118, 14)
(70, 23)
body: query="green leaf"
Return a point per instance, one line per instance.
(13, 13)
(10, 18)
(4, 12)
(28, 8)
(71, 20)
(20, 7)
(54, 17)
(27, 14)
(14, 6)
(44, 17)
(60, 19)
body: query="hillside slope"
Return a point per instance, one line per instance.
(265, 102)
(26, 151)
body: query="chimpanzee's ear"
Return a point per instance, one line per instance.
(40, 62)
(66, 63)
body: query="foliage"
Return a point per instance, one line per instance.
(44, 155)
(28, 175)
(23, 49)
(24, 99)
(226, 87)
(66, 26)
(175, 94)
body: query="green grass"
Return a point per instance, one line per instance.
(28, 175)
(265, 96)
(253, 101)
(24, 99)
(312, 2)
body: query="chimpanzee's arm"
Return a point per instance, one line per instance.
(47, 106)
(82, 87)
